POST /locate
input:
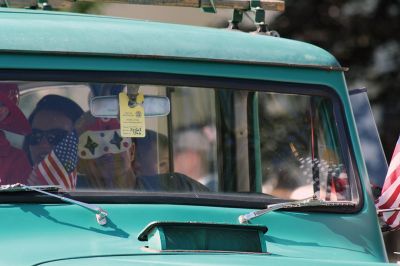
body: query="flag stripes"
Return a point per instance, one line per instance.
(390, 197)
(59, 166)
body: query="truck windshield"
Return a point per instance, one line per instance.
(286, 144)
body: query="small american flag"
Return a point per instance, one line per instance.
(390, 197)
(59, 166)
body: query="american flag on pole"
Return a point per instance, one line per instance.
(390, 197)
(59, 166)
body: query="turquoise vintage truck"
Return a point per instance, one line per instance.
(128, 142)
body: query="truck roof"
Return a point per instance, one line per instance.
(87, 34)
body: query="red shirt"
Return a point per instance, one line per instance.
(14, 165)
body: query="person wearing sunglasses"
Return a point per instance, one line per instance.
(41, 140)
(53, 142)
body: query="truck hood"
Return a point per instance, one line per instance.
(59, 234)
(196, 259)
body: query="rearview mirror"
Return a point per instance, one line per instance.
(108, 106)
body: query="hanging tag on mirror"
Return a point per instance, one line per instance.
(131, 116)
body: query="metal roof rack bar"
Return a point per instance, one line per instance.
(245, 5)
(273, 5)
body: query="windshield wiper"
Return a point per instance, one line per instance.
(101, 215)
(308, 202)
(18, 187)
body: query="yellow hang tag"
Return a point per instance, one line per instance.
(131, 118)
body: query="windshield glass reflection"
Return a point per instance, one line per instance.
(213, 140)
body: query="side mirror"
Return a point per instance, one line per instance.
(108, 106)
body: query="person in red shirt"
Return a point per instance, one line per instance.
(14, 164)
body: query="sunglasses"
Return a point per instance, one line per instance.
(53, 136)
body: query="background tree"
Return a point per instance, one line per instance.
(363, 35)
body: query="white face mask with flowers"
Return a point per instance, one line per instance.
(94, 144)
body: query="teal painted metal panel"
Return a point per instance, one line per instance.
(89, 34)
(198, 259)
(61, 231)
